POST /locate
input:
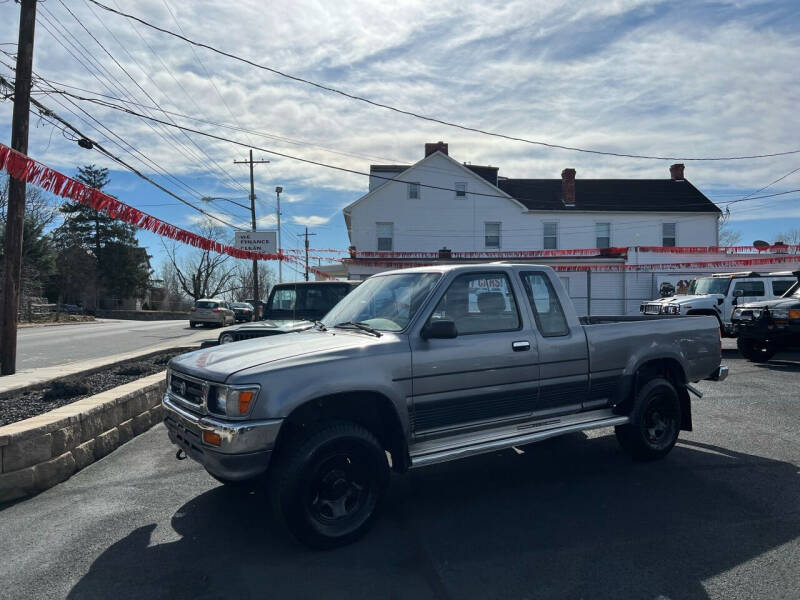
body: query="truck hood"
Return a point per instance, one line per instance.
(220, 362)
(688, 298)
(278, 325)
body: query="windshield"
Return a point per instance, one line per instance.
(386, 302)
(709, 285)
(241, 305)
(794, 291)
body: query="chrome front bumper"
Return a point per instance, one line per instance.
(244, 450)
(720, 374)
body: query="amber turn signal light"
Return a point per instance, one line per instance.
(245, 398)
(794, 313)
(209, 437)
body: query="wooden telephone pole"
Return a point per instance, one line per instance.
(252, 162)
(306, 234)
(16, 189)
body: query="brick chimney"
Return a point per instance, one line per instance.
(676, 172)
(431, 148)
(568, 187)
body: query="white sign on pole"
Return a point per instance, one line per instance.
(265, 242)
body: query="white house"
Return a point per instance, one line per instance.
(440, 203)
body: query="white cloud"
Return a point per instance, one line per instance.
(310, 220)
(629, 76)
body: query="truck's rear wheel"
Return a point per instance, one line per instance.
(756, 350)
(328, 485)
(655, 421)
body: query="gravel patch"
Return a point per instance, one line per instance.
(70, 389)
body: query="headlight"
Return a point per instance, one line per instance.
(672, 309)
(780, 313)
(756, 313)
(231, 401)
(737, 312)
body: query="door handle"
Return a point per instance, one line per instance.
(520, 346)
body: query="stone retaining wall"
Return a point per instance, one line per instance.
(39, 452)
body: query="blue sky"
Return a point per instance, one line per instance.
(669, 78)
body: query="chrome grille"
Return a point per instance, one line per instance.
(652, 309)
(188, 389)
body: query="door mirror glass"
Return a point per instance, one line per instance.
(738, 293)
(442, 329)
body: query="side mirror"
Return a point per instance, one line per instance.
(439, 330)
(738, 293)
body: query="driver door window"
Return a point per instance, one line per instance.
(749, 289)
(479, 303)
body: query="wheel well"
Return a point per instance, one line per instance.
(671, 370)
(373, 411)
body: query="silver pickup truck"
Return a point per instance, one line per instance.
(427, 365)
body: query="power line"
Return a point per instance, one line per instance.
(209, 160)
(49, 113)
(362, 173)
(424, 117)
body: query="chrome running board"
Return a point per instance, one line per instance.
(428, 453)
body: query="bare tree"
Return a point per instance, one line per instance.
(202, 274)
(243, 289)
(792, 236)
(728, 236)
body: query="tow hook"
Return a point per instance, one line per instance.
(180, 454)
(693, 389)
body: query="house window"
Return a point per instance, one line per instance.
(550, 236)
(602, 234)
(385, 235)
(413, 191)
(491, 234)
(461, 190)
(668, 237)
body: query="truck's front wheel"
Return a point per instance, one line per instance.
(755, 350)
(655, 421)
(326, 487)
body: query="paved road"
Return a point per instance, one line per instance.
(568, 518)
(60, 344)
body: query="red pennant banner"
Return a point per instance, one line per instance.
(26, 169)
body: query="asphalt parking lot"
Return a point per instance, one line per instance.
(568, 518)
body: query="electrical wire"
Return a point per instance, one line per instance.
(428, 118)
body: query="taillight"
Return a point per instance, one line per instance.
(217, 310)
(194, 309)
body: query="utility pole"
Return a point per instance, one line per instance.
(251, 162)
(278, 191)
(16, 189)
(306, 236)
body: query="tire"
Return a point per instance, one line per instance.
(756, 350)
(226, 338)
(326, 487)
(192, 324)
(655, 422)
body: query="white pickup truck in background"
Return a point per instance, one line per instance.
(719, 294)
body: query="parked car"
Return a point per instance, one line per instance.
(211, 311)
(243, 311)
(291, 307)
(429, 365)
(765, 328)
(719, 294)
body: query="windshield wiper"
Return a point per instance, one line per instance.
(359, 325)
(320, 325)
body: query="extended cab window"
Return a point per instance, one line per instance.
(479, 303)
(749, 288)
(546, 306)
(284, 299)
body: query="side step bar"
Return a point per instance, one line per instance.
(422, 460)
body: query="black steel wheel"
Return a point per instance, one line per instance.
(756, 350)
(328, 485)
(655, 421)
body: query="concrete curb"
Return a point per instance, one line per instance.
(38, 453)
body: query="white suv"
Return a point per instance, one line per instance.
(719, 294)
(213, 312)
